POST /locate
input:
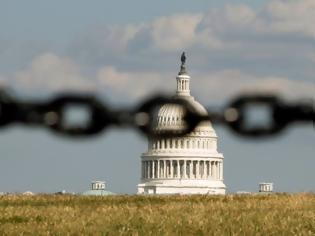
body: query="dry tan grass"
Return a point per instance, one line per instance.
(278, 214)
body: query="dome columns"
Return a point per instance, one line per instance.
(183, 85)
(182, 169)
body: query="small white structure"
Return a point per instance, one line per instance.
(265, 187)
(97, 189)
(98, 185)
(28, 193)
(182, 165)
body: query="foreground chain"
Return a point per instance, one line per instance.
(53, 115)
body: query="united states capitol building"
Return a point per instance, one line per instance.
(185, 165)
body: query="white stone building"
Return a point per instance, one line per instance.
(265, 187)
(98, 188)
(183, 165)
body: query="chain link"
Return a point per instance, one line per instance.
(52, 114)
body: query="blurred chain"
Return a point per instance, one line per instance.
(52, 114)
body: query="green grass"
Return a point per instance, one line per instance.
(277, 214)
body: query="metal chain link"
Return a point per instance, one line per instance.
(52, 114)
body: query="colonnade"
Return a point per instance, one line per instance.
(183, 85)
(182, 169)
(182, 143)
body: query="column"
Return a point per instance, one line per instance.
(178, 169)
(164, 169)
(171, 166)
(216, 170)
(190, 169)
(204, 170)
(142, 170)
(197, 170)
(149, 169)
(218, 164)
(221, 170)
(158, 169)
(212, 169)
(153, 169)
(146, 169)
(185, 170)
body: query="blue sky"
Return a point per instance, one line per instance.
(124, 51)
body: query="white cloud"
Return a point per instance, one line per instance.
(130, 84)
(53, 73)
(215, 86)
(238, 47)
(292, 16)
(223, 85)
(49, 72)
(174, 32)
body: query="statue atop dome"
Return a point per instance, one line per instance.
(182, 67)
(183, 58)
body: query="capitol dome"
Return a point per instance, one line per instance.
(170, 116)
(182, 165)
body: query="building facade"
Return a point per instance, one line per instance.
(183, 165)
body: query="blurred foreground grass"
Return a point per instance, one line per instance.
(277, 214)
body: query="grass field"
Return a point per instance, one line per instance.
(278, 214)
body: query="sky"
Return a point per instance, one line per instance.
(123, 52)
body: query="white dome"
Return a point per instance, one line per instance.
(170, 116)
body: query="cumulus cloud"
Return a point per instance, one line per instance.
(54, 73)
(169, 33)
(235, 35)
(215, 86)
(49, 72)
(223, 85)
(292, 16)
(234, 47)
(131, 84)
